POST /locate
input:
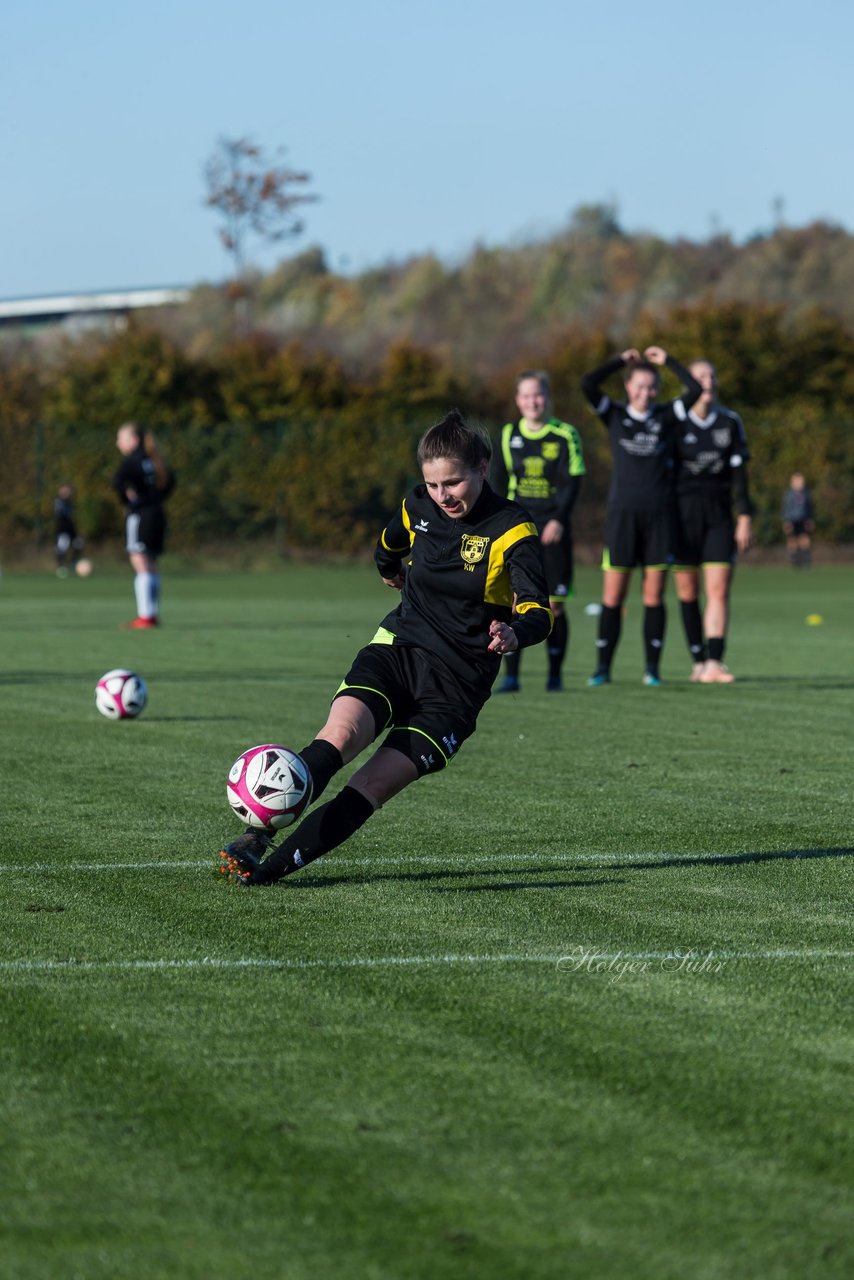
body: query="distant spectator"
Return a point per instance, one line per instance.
(798, 522)
(67, 542)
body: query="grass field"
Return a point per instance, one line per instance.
(581, 1007)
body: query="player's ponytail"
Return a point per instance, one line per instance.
(454, 438)
(161, 471)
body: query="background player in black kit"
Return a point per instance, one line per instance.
(640, 499)
(67, 541)
(540, 464)
(711, 473)
(459, 554)
(143, 482)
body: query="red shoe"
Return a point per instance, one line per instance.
(141, 624)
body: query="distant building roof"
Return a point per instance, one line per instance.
(60, 306)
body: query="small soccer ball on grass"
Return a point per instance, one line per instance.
(268, 787)
(121, 694)
(83, 568)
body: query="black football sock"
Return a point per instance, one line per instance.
(610, 623)
(716, 648)
(693, 623)
(511, 664)
(324, 829)
(323, 762)
(558, 642)
(654, 619)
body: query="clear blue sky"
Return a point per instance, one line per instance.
(425, 127)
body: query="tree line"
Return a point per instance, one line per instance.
(274, 440)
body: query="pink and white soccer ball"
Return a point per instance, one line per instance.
(121, 694)
(268, 787)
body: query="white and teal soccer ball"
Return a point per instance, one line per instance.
(268, 787)
(121, 694)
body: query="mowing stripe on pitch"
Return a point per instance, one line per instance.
(567, 963)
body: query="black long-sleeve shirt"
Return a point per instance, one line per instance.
(461, 574)
(642, 445)
(712, 456)
(137, 476)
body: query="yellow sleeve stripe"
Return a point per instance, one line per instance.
(498, 589)
(573, 441)
(399, 551)
(527, 605)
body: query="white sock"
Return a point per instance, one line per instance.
(145, 595)
(141, 593)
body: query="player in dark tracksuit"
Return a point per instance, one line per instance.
(67, 542)
(460, 556)
(798, 521)
(711, 477)
(142, 483)
(640, 500)
(540, 464)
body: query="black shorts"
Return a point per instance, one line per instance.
(635, 538)
(146, 531)
(799, 528)
(705, 533)
(429, 713)
(557, 562)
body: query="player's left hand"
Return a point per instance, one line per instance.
(655, 355)
(503, 638)
(552, 532)
(744, 533)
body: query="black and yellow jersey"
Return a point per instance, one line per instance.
(541, 468)
(460, 575)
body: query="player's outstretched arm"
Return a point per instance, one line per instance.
(591, 383)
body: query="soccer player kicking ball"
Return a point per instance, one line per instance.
(459, 554)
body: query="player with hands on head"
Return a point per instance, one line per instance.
(711, 477)
(640, 499)
(460, 556)
(540, 464)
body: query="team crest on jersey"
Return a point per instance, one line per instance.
(551, 450)
(473, 548)
(721, 436)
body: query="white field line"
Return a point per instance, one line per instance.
(495, 861)
(565, 963)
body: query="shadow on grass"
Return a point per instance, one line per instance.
(729, 859)
(812, 682)
(435, 878)
(509, 876)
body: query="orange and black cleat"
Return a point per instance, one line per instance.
(241, 860)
